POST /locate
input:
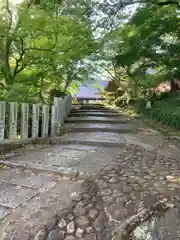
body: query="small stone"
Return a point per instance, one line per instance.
(51, 223)
(40, 235)
(121, 172)
(113, 175)
(83, 175)
(108, 168)
(79, 232)
(54, 235)
(113, 180)
(117, 211)
(65, 178)
(102, 184)
(107, 199)
(93, 199)
(170, 178)
(117, 193)
(76, 196)
(90, 205)
(90, 237)
(106, 192)
(69, 172)
(89, 230)
(70, 217)
(70, 238)
(62, 223)
(98, 225)
(82, 221)
(93, 214)
(62, 234)
(70, 227)
(106, 177)
(80, 210)
(127, 189)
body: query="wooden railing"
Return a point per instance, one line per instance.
(23, 121)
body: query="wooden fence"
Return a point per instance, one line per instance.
(33, 120)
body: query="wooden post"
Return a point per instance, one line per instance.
(45, 120)
(53, 120)
(35, 120)
(13, 121)
(2, 119)
(148, 104)
(24, 120)
(57, 103)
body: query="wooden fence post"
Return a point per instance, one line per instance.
(35, 120)
(53, 120)
(24, 120)
(58, 112)
(2, 119)
(45, 120)
(13, 121)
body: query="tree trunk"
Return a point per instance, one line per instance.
(7, 68)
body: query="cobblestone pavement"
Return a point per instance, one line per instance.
(93, 185)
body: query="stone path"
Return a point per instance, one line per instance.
(103, 171)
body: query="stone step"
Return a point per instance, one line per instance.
(105, 139)
(92, 110)
(100, 120)
(90, 106)
(93, 139)
(101, 127)
(94, 113)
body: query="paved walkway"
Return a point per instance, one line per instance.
(105, 175)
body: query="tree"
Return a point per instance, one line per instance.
(41, 44)
(147, 40)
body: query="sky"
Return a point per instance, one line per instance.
(16, 1)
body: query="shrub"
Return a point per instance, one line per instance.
(165, 109)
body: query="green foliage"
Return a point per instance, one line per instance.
(110, 97)
(150, 39)
(165, 108)
(45, 47)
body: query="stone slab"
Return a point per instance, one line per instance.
(75, 110)
(103, 138)
(97, 119)
(94, 162)
(26, 178)
(4, 211)
(103, 127)
(13, 195)
(52, 156)
(94, 137)
(80, 147)
(96, 113)
(31, 216)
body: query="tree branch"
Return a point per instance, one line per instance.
(22, 52)
(10, 14)
(47, 50)
(128, 226)
(170, 2)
